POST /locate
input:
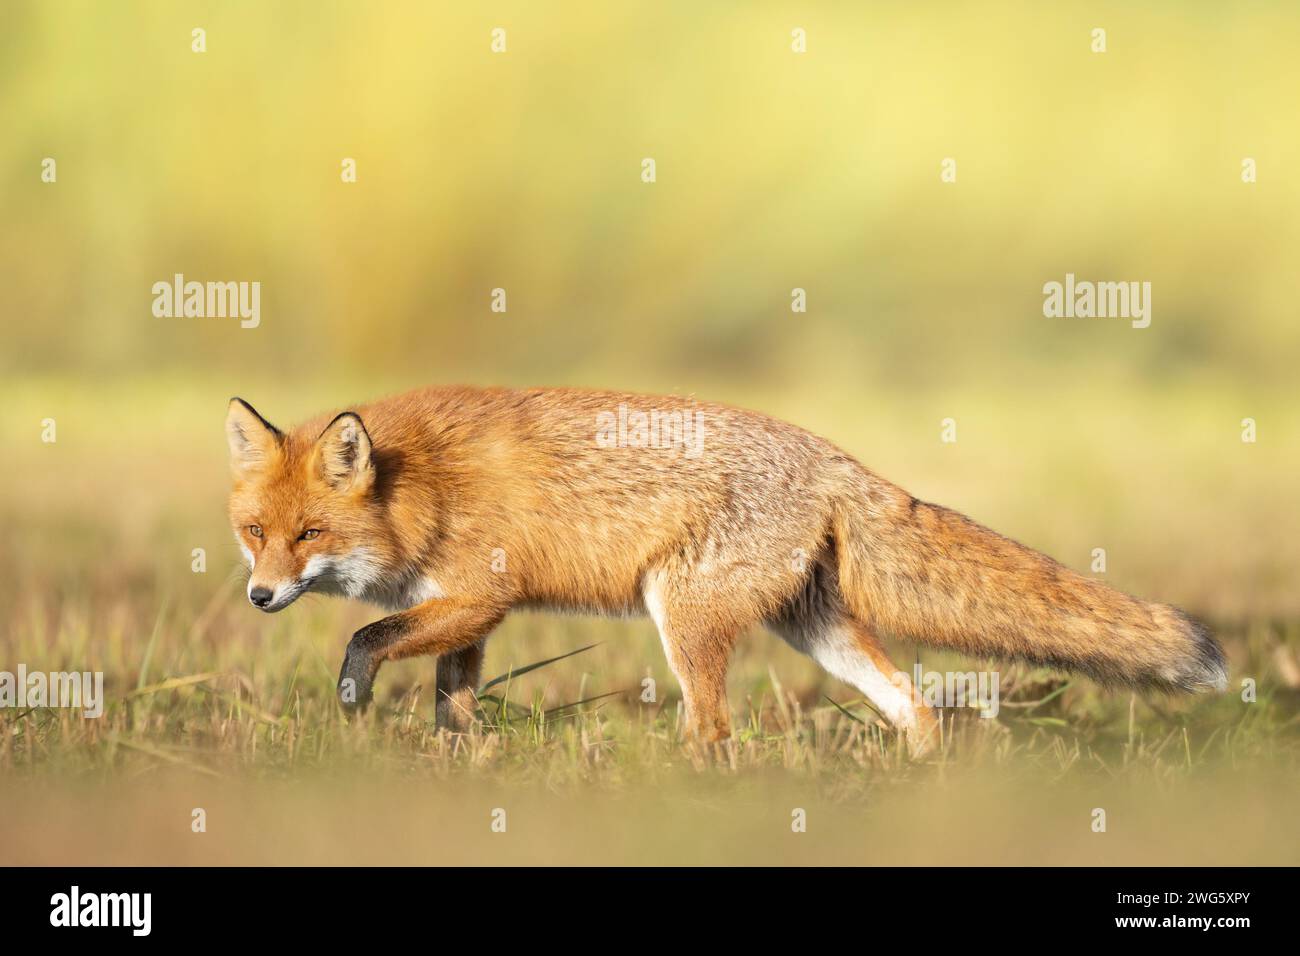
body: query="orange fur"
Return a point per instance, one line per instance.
(453, 505)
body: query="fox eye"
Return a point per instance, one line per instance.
(309, 534)
(255, 530)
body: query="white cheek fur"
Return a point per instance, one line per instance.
(358, 574)
(353, 573)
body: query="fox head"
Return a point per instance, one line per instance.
(303, 508)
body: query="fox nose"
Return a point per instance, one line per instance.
(260, 597)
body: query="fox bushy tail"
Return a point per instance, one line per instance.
(924, 572)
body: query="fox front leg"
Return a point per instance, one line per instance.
(361, 662)
(439, 626)
(458, 677)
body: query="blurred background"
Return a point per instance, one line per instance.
(775, 170)
(521, 170)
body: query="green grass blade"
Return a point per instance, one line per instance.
(844, 711)
(512, 673)
(148, 651)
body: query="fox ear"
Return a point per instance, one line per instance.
(342, 454)
(253, 440)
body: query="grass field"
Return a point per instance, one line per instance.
(251, 734)
(212, 705)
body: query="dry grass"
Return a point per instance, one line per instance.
(581, 720)
(209, 710)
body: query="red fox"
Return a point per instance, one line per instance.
(449, 506)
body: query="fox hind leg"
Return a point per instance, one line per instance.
(852, 652)
(818, 624)
(698, 647)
